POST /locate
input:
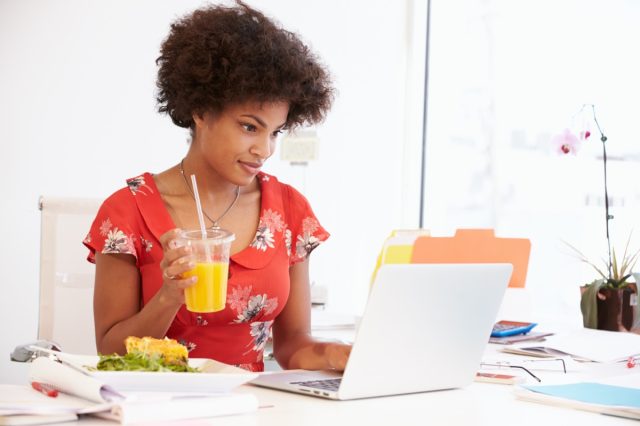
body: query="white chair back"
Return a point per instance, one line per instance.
(66, 278)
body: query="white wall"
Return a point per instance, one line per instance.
(77, 117)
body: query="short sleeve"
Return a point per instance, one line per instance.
(112, 231)
(304, 232)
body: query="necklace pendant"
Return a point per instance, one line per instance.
(215, 223)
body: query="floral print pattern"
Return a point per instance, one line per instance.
(137, 184)
(105, 227)
(309, 225)
(260, 332)
(249, 309)
(272, 222)
(189, 345)
(263, 239)
(118, 242)
(148, 245)
(238, 298)
(254, 307)
(287, 241)
(305, 245)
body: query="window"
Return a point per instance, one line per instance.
(504, 76)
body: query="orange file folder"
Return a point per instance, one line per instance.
(476, 246)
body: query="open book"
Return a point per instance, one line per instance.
(81, 394)
(21, 405)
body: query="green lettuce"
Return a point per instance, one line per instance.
(138, 361)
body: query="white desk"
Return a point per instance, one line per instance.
(477, 404)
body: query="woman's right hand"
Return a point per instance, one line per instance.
(176, 261)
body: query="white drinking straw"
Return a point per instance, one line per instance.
(203, 229)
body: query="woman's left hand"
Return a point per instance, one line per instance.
(337, 355)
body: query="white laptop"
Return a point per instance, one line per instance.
(425, 328)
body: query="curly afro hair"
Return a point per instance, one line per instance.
(219, 55)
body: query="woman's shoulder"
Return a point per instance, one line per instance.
(131, 219)
(279, 189)
(125, 197)
(280, 196)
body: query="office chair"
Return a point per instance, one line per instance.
(66, 278)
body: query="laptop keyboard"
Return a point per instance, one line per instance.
(324, 384)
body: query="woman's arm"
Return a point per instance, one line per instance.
(293, 345)
(117, 297)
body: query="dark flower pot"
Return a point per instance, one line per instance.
(615, 312)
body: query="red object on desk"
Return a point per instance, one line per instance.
(45, 389)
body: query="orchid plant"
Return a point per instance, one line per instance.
(569, 142)
(618, 273)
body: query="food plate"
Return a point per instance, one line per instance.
(214, 376)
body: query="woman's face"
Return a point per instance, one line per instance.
(237, 141)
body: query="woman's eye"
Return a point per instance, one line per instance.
(249, 127)
(277, 133)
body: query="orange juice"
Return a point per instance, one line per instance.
(209, 293)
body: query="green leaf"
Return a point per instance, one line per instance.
(138, 361)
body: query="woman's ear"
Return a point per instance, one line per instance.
(198, 119)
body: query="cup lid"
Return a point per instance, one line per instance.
(219, 234)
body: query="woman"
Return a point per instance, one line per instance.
(236, 80)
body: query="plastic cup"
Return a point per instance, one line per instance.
(209, 293)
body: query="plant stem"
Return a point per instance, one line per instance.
(608, 217)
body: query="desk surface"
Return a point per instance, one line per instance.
(477, 404)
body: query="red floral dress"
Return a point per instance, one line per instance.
(132, 220)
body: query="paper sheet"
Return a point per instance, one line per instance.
(594, 345)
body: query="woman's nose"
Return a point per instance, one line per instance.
(263, 147)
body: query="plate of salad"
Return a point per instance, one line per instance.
(160, 365)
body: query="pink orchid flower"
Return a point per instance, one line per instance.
(566, 142)
(584, 135)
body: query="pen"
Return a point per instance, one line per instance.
(45, 389)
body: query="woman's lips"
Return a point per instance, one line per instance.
(252, 168)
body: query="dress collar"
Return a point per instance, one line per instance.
(257, 256)
(157, 218)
